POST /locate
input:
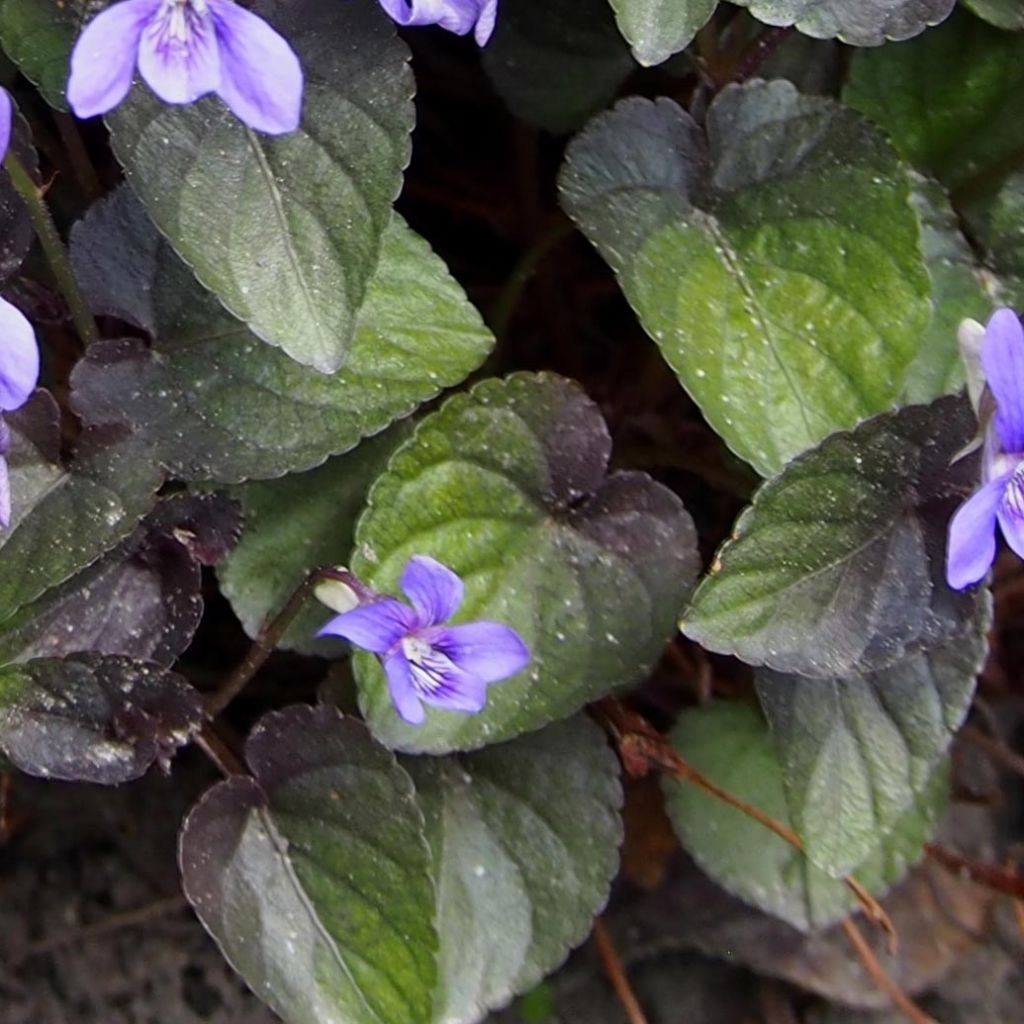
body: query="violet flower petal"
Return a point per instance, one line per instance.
(972, 535)
(1010, 512)
(458, 16)
(19, 358)
(180, 70)
(485, 22)
(5, 495)
(103, 60)
(435, 591)
(400, 686)
(376, 627)
(488, 650)
(6, 119)
(1002, 357)
(261, 77)
(459, 691)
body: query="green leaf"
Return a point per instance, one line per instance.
(90, 718)
(524, 837)
(950, 100)
(998, 224)
(293, 525)
(856, 751)
(857, 22)
(507, 485)
(285, 230)
(340, 892)
(778, 266)
(64, 518)
(958, 291)
(573, 42)
(314, 875)
(142, 600)
(731, 744)
(1001, 13)
(838, 566)
(38, 35)
(656, 29)
(215, 403)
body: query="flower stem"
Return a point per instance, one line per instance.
(269, 637)
(53, 247)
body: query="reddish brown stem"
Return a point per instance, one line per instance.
(899, 998)
(989, 875)
(616, 973)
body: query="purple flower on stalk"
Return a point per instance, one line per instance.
(19, 371)
(185, 49)
(458, 16)
(425, 661)
(972, 541)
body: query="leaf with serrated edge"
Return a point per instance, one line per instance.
(856, 751)
(507, 484)
(314, 875)
(285, 230)
(218, 404)
(525, 837)
(949, 100)
(857, 22)
(142, 600)
(656, 29)
(63, 519)
(730, 743)
(776, 260)
(838, 566)
(93, 718)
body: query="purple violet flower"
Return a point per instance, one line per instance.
(185, 49)
(458, 16)
(424, 660)
(972, 541)
(6, 121)
(19, 371)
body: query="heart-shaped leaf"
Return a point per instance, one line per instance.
(215, 403)
(775, 260)
(294, 525)
(730, 743)
(314, 875)
(91, 718)
(656, 29)
(142, 600)
(858, 22)
(64, 518)
(838, 566)
(507, 484)
(340, 892)
(285, 230)
(856, 752)
(950, 100)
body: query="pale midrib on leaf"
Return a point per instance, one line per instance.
(276, 201)
(280, 848)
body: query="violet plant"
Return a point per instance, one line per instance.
(617, 412)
